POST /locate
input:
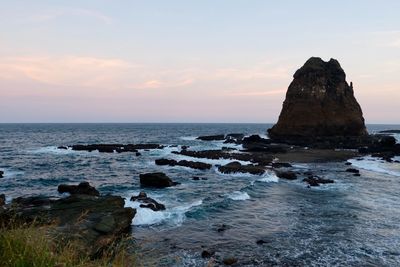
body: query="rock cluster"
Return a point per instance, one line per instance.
(319, 104)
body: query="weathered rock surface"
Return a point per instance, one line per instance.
(148, 202)
(184, 163)
(94, 221)
(156, 179)
(237, 167)
(83, 188)
(319, 104)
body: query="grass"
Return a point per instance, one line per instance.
(30, 245)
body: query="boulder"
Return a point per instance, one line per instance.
(148, 202)
(319, 104)
(288, 175)
(218, 137)
(156, 179)
(83, 188)
(281, 165)
(237, 167)
(1, 174)
(316, 181)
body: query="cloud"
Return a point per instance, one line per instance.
(53, 14)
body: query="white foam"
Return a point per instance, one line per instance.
(172, 215)
(238, 195)
(375, 165)
(189, 138)
(269, 178)
(56, 151)
(220, 161)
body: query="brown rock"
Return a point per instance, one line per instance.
(319, 103)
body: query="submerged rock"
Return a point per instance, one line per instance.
(148, 202)
(156, 179)
(352, 170)
(237, 167)
(1, 174)
(83, 188)
(230, 260)
(184, 163)
(319, 103)
(218, 137)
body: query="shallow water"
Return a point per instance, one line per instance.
(353, 222)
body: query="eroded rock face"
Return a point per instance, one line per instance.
(319, 103)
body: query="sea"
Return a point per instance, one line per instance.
(353, 222)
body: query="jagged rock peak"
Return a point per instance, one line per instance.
(319, 103)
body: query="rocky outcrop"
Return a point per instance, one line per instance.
(148, 202)
(95, 222)
(184, 163)
(319, 104)
(111, 148)
(237, 167)
(83, 188)
(156, 179)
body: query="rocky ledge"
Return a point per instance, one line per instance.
(184, 163)
(111, 148)
(94, 221)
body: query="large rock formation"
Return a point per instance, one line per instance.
(319, 104)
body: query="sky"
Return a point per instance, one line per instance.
(188, 61)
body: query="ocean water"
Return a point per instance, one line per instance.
(353, 222)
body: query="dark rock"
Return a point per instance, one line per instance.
(184, 163)
(184, 147)
(352, 170)
(222, 228)
(156, 179)
(2, 200)
(237, 167)
(1, 174)
(259, 158)
(356, 174)
(281, 165)
(288, 175)
(255, 143)
(230, 261)
(218, 137)
(319, 103)
(63, 147)
(204, 179)
(195, 178)
(148, 202)
(110, 148)
(83, 188)
(207, 254)
(348, 163)
(316, 181)
(237, 136)
(138, 154)
(261, 242)
(390, 131)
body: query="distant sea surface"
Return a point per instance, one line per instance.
(353, 222)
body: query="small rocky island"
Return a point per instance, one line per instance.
(319, 104)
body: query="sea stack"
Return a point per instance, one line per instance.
(319, 104)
